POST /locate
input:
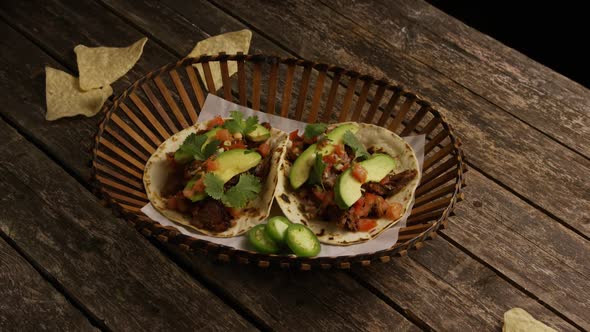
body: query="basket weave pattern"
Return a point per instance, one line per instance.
(169, 99)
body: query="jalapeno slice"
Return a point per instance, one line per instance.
(276, 227)
(302, 241)
(261, 242)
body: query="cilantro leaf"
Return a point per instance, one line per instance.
(251, 123)
(234, 125)
(237, 124)
(315, 177)
(352, 141)
(192, 148)
(213, 186)
(314, 129)
(247, 188)
(209, 149)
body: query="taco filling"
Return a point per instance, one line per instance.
(217, 171)
(337, 179)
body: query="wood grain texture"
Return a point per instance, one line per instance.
(23, 62)
(100, 260)
(300, 300)
(21, 69)
(30, 303)
(530, 91)
(544, 257)
(178, 33)
(471, 298)
(531, 168)
(70, 23)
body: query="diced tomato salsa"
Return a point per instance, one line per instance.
(294, 135)
(365, 225)
(211, 165)
(264, 149)
(359, 173)
(216, 121)
(223, 135)
(236, 145)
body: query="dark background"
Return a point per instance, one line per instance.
(554, 33)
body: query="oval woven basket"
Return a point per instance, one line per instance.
(169, 99)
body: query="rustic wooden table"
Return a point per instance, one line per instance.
(520, 238)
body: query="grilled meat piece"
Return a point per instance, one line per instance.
(261, 170)
(348, 220)
(391, 184)
(211, 215)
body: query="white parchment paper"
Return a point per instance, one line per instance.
(218, 106)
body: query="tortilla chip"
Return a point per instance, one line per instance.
(101, 66)
(230, 43)
(518, 320)
(64, 97)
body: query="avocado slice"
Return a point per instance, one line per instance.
(196, 196)
(233, 162)
(348, 189)
(229, 164)
(335, 136)
(302, 166)
(259, 134)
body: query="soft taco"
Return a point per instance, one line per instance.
(217, 177)
(348, 182)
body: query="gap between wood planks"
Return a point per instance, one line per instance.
(510, 281)
(92, 318)
(175, 53)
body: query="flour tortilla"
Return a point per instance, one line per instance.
(156, 172)
(64, 97)
(230, 43)
(370, 135)
(101, 66)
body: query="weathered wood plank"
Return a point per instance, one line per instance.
(471, 297)
(300, 300)
(544, 257)
(533, 167)
(21, 66)
(22, 60)
(315, 306)
(175, 31)
(575, 242)
(30, 303)
(101, 261)
(536, 94)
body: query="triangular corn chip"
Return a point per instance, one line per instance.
(230, 43)
(64, 97)
(101, 66)
(518, 320)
